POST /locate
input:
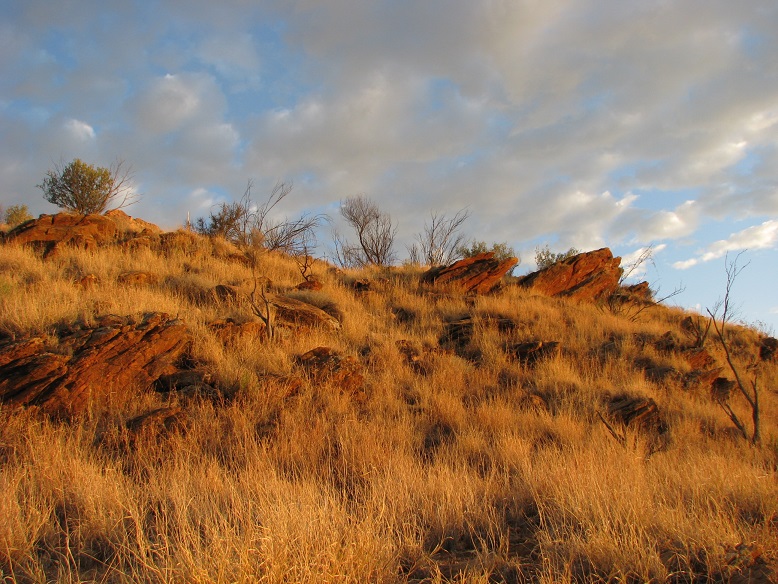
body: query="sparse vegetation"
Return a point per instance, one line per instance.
(441, 243)
(82, 188)
(544, 257)
(455, 464)
(501, 250)
(375, 235)
(16, 215)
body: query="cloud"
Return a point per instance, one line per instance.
(761, 236)
(79, 130)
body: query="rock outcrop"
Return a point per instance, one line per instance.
(476, 275)
(50, 231)
(116, 357)
(295, 313)
(590, 276)
(324, 364)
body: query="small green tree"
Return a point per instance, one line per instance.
(16, 215)
(502, 251)
(82, 188)
(544, 257)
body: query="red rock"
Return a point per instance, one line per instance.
(229, 332)
(637, 412)
(477, 275)
(88, 281)
(590, 276)
(296, 313)
(324, 364)
(225, 293)
(84, 231)
(157, 424)
(699, 359)
(314, 285)
(137, 278)
(126, 224)
(91, 363)
(532, 352)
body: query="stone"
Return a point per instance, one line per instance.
(137, 278)
(667, 343)
(91, 364)
(479, 274)
(640, 291)
(228, 331)
(313, 285)
(532, 352)
(457, 334)
(768, 348)
(638, 413)
(225, 293)
(699, 359)
(129, 225)
(324, 364)
(591, 276)
(88, 282)
(50, 231)
(295, 313)
(721, 389)
(157, 424)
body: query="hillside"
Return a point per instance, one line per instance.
(387, 428)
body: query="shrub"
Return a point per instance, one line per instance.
(82, 188)
(544, 257)
(375, 233)
(502, 251)
(16, 215)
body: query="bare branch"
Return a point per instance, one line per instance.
(441, 241)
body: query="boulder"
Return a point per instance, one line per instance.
(768, 347)
(479, 274)
(129, 225)
(590, 276)
(324, 364)
(225, 293)
(49, 231)
(118, 356)
(532, 352)
(228, 331)
(296, 313)
(156, 425)
(137, 278)
(313, 285)
(637, 413)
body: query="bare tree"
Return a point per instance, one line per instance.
(441, 241)
(720, 324)
(375, 234)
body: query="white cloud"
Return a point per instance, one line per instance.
(79, 130)
(171, 101)
(755, 237)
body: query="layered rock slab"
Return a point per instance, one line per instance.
(118, 356)
(479, 274)
(591, 276)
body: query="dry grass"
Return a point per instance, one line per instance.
(472, 468)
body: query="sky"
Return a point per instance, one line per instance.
(574, 123)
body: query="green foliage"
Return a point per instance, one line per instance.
(502, 251)
(16, 215)
(83, 188)
(544, 257)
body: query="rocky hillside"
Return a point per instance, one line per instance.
(175, 409)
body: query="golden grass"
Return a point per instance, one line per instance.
(445, 474)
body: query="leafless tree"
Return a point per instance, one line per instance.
(721, 316)
(375, 234)
(441, 240)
